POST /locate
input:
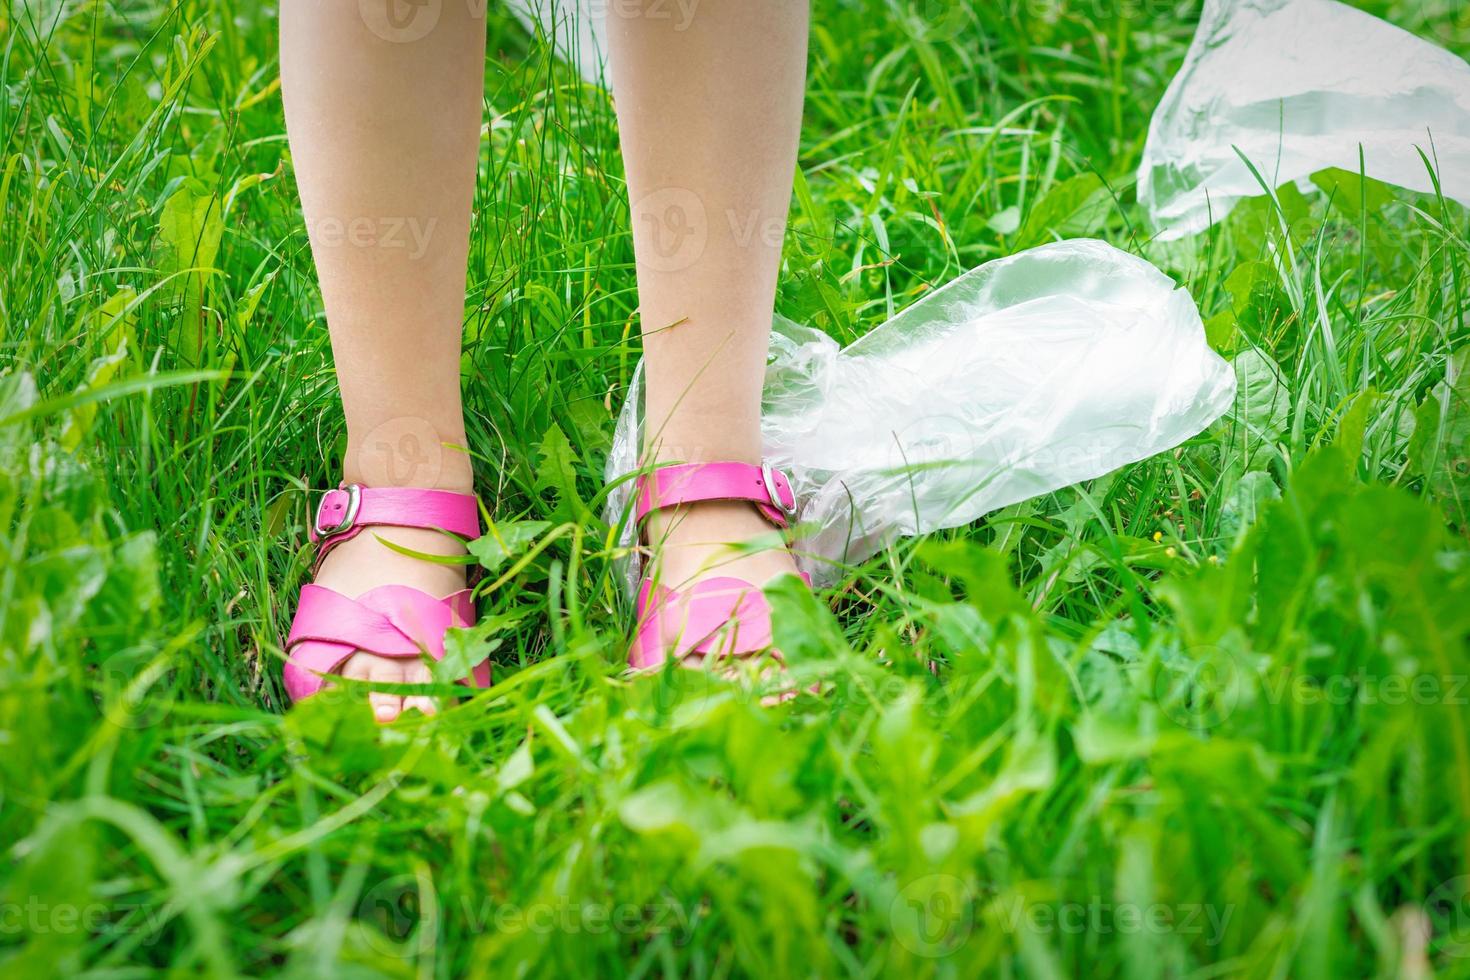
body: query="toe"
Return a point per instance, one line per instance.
(386, 707)
(357, 666)
(354, 668)
(418, 673)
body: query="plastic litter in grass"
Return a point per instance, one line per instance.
(1028, 374)
(1297, 87)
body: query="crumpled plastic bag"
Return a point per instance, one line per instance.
(1026, 375)
(1297, 86)
(576, 31)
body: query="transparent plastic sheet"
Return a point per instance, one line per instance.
(575, 29)
(1297, 86)
(1026, 375)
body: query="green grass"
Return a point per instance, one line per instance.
(1204, 716)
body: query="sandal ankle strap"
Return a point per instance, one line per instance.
(692, 483)
(343, 513)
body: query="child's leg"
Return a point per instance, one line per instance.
(384, 122)
(709, 99)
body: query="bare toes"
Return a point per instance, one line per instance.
(357, 666)
(386, 707)
(354, 668)
(418, 673)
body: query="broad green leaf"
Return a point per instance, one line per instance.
(1354, 422)
(520, 767)
(189, 230)
(1101, 740)
(118, 328)
(1440, 446)
(1078, 204)
(1257, 219)
(986, 576)
(1263, 405)
(556, 476)
(1348, 192)
(338, 724)
(802, 625)
(1244, 504)
(468, 647)
(659, 808)
(504, 541)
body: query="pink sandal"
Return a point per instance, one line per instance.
(693, 622)
(391, 620)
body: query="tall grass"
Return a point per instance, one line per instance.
(1203, 716)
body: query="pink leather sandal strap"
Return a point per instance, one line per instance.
(343, 513)
(692, 483)
(331, 617)
(717, 617)
(389, 621)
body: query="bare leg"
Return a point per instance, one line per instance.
(384, 122)
(709, 100)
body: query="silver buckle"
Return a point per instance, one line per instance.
(354, 501)
(768, 475)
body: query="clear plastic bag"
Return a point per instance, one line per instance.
(1025, 375)
(1297, 86)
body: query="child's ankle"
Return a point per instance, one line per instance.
(454, 475)
(409, 453)
(373, 558)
